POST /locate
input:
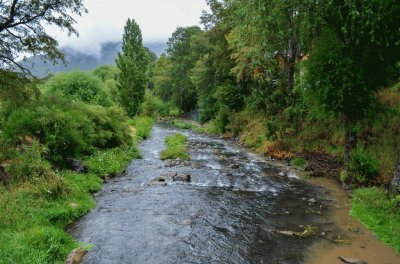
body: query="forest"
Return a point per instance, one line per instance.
(314, 83)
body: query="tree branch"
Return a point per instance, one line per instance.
(10, 18)
(19, 66)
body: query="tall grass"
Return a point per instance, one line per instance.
(142, 126)
(176, 147)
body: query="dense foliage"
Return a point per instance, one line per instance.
(278, 73)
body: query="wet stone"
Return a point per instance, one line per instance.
(182, 177)
(234, 166)
(76, 256)
(352, 260)
(311, 200)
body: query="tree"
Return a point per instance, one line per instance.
(22, 29)
(268, 29)
(163, 78)
(350, 60)
(183, 59)
(132, 63)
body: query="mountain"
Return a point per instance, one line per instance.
(79, 60)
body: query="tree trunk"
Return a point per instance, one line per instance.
(350, 139)
(291, 62)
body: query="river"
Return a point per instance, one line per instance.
(237, 208)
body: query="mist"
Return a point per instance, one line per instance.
(105, 22)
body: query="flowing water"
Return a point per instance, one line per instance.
(232, 211)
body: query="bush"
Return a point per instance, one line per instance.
(172, 110)
(153, 106)
(68, 129)
(79, 85)
(221, 120)
(27, 162)
(300, 162)
(363, 166)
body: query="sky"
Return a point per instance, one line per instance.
(105, 21)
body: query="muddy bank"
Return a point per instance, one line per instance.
(359, 242)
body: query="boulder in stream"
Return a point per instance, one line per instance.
(182, 177)
(76, 256)
(162, 180)
(234, 166)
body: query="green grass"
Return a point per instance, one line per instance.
(143, 125)
(33, 216)
(111, 162)
(186, 125)
(379, 214)
(176, 147)
(34, 213)
(299, 162)
(181, 124)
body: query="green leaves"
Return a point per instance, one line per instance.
(132, 63)
(22, 30)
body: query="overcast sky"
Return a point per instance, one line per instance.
(106, 19)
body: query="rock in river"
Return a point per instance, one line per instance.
(76, 256)
(182, 177)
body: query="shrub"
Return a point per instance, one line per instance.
(79, 85)
(221, 120)
(27, 162)
(153, 106)
(106, 72)
(300, 162)
(172, 110)
(68, 129)
(363, 166)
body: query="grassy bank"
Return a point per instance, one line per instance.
(35, 212)
(379, 214)
(176, 147)
(182, 124)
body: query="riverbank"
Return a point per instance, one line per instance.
(358, 241)
(34, 213)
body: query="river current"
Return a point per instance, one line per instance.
(237, 208)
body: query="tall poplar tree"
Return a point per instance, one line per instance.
(132, 63)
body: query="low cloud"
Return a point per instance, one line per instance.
(105, 21)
